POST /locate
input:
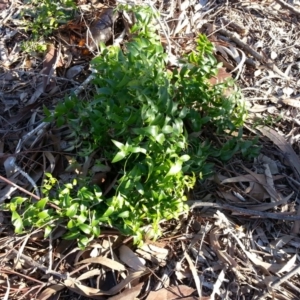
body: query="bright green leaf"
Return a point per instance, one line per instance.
(175, 168)
(85, 228)
(119, 156)
(72, 210)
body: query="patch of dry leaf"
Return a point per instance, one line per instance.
(240, 240)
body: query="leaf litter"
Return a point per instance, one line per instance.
(243, 244)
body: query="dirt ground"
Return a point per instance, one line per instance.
(240, 239)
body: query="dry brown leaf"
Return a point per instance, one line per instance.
(218, 284)
(112, 264)
(49, 64)
(128, 279)
(49, 291)
(296, 225)
(153, 253)
(228, 196)
(289, 265)
(193, 270)
(257, 192)
(172, 293)
(244, 178)
(268, 188)
(273, 268)
(222, 255)
(89, 274)
(130, 258)
(93, 293)
(272, 164)
(266, 206)
(269, 179)
(286, 148)
(51, 160)
(226, 64)
(255, 189)
(85, 290)
(291, 102)
(129, 294)
(258, 108)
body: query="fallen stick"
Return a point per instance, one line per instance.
(288, 6)
(245, 211)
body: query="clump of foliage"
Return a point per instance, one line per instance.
(68, 204)
(32, 47)
(144, 118)
(47, 15)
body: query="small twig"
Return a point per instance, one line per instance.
(288, 6)
(8, 271)
(245, 211)
(27, 192)
(20, 188)
(34, 264)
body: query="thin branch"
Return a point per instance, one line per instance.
(41, 267)
(19, 188)
(245, 211)
(288, 6)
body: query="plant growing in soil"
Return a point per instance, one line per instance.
(46, 15)
(147, 121)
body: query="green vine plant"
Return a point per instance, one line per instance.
(146, 120)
